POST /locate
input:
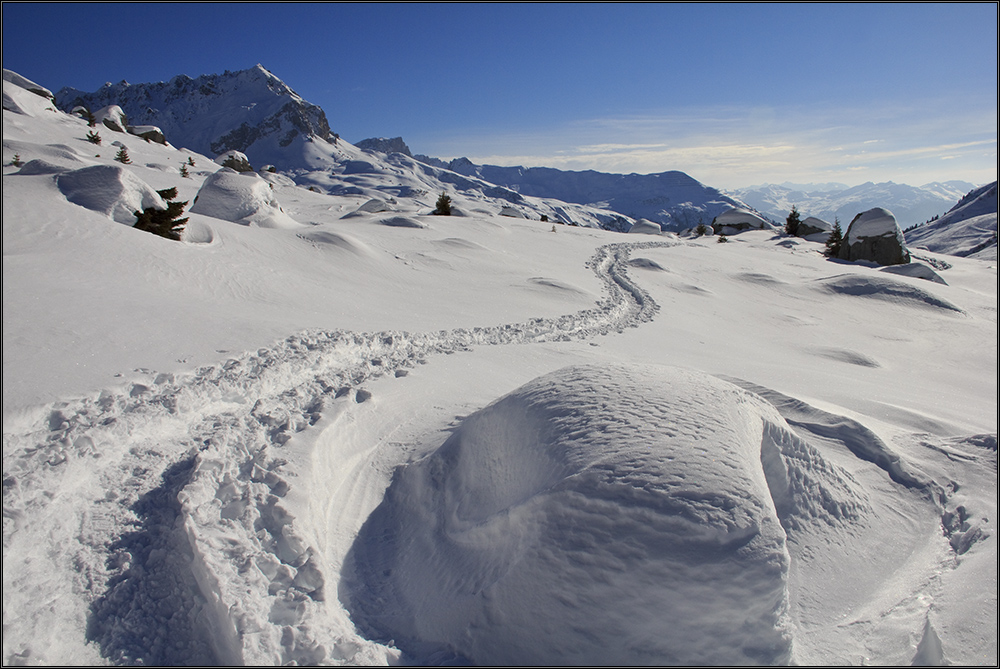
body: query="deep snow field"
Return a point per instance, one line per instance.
(479, 439)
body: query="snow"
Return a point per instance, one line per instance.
(602, 448)
(876, 222)
(241, 197)
(109, 189)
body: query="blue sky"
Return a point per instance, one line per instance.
(731, 94)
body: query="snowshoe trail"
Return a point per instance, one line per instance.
(163, 465)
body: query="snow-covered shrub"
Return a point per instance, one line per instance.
(167, 222)
(443, 205)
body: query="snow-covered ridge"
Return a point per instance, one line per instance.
(967, 229)
(911, 205)
(250, 110)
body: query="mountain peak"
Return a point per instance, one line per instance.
(251, 111)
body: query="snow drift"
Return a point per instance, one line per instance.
(241, 197)
(598, 515)
(111, 190)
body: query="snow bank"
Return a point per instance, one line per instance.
(111, 190)
(884, 288)
(643, 226)
(241, 197)
(597, 515)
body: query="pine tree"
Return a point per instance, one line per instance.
(190, 161)
(443, 205)
(835, 240)
(165, 223)
(94, 137)
(122, 156)
(184, 172)
(91, 119)
(792, 222)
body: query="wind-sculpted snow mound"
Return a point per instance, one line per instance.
(597, 515)
(884, 288)
(243, 198)
(111, 190)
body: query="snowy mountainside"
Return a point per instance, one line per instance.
(368, 437)
(250, 111)
(910, 204)
(673, 199)
(254, 112)
(967, 229)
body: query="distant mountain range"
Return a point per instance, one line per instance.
(910, 205)
(254, 112)
(968, 229)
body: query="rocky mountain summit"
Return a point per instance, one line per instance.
(251, 111)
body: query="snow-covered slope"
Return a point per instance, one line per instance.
(910, 204)
(676, 450)
(254, 112)
(250, 111)
(967, 229)
(673, 199)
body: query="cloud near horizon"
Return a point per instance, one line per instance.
(732, 147)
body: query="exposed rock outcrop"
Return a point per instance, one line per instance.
(875, 236)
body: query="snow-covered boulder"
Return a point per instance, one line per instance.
(235, 160)
(645, 227)
(814, 227)
(511, 211)
(111, 190)
(241, 197)
(600, 514)
(113, 117)
(875, 235)
(735, 220)
(150, 133)
(26, 84)
(372, 206)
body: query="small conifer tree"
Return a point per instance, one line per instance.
(122, 156)
(184, 172)
(792, 222)
(835, 240)
(16, 162)
(443, 205)
(722, 239)
(91, 119)
(190, 161)
(701, 230)
(94, 137)
(165, 223)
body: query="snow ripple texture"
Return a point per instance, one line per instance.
(206, 566)
(595, 516)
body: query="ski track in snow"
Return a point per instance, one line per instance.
(167, 588)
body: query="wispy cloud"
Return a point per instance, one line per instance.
(732, 146)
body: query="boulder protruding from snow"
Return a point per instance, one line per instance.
(736, 220)
(645, 227)
(875, 236)
(235, 160)
(111, 190)
(241, 197)
(814, 226)
(385, 145)
(113, 117)
(150, 133)
(26, 84)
